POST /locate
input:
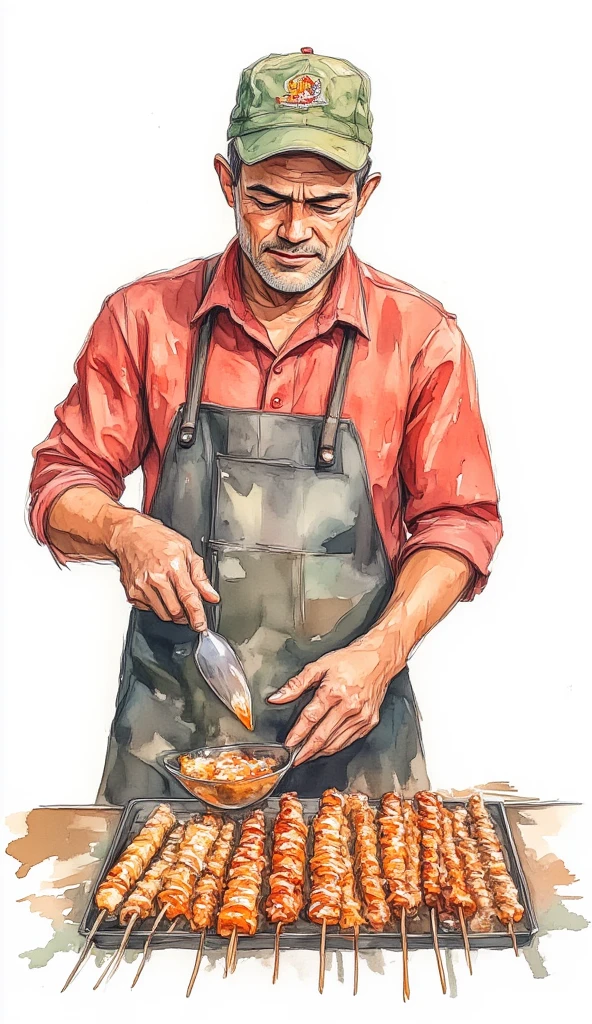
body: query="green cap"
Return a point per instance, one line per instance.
(301, 101)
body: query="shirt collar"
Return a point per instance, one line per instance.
(345, 302)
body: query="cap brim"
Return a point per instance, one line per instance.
(268, 142)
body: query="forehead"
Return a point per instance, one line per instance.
(296, 169)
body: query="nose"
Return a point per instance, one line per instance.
(294, 228)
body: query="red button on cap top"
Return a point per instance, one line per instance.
(276, 402)
(306, 49)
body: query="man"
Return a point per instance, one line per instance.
(318, 486)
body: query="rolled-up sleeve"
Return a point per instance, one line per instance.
(450, 496)
(100, 431)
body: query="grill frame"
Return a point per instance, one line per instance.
(302, 934)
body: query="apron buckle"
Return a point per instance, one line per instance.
(327, 455)
(186, 435)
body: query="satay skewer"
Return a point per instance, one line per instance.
(124, 874)
(328, 869)
(240, 903)
(112, 966)
(429, 821)
(505, 894)
(288, 869)
(207, 892)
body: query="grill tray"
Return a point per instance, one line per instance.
(302, 934)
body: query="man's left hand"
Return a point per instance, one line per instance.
(351, 685)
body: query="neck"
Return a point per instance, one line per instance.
(267, 304)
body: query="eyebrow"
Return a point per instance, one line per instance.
(313, 199)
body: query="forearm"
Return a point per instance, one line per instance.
(430, 583)
(81, 523)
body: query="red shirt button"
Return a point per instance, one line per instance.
(276, 402)
(277, 369)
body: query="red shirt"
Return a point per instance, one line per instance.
(411, 394)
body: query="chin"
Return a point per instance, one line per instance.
(289, 280)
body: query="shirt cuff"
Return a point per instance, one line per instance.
(44, 497)
(473, 535)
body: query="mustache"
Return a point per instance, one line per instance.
(294, 250)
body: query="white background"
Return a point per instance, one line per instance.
(114, 111)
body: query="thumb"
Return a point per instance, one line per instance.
(298, 685)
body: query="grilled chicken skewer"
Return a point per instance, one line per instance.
(327, 868)
(428, 808)
(181, 878)
(125, 873)
(288, 869)
(140, 904)
(474, 872)
(240, 904)
(209, 890)
(455, 890)
(372, 884)
(505, 895)
(351, 909)
(396, 864)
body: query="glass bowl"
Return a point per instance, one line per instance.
(232, 796)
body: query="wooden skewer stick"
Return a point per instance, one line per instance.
(174, 924)
(276, 953)
(463, 928)
(512, 936)
(114, 964)
(146, 952)
(230, 952)
(434, 922)
(406, 992)
(234, 953)
(196, 964)
(356, 957)
(85, 951)
(322, 956)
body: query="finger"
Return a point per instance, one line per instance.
(166, 592)
(155, 602)
(190, 600)
(297, 685)
(317, 741)
(200, 579)
(343, 737)
(308, 719)
(141, 605)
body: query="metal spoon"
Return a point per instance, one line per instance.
(224, 674)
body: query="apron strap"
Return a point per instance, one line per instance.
(198, 367)
(326, 450)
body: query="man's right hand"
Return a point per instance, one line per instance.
(160, 571)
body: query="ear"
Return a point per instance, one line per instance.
(225, 175)
(369, 186)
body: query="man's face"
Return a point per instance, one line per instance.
(294, 216)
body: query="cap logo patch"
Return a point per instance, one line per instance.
(302, 91)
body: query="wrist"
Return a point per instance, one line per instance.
(387, 642)
(112, 519)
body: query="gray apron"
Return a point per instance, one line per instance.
(279, 508)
